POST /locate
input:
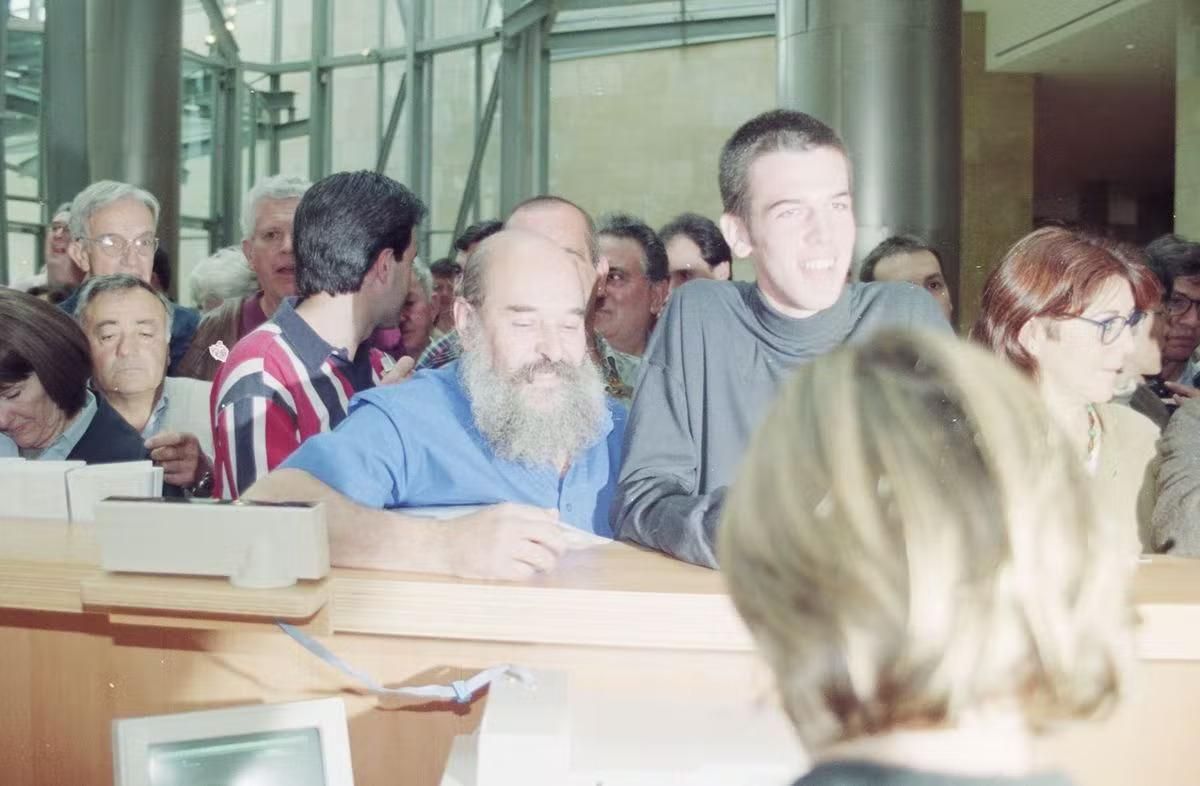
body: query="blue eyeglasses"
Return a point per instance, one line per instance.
(1111, 328)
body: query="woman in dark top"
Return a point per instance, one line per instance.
(913, 545)
(45, 405)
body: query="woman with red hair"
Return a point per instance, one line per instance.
(1064, 306)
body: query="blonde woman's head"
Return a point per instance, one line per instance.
(910, 539)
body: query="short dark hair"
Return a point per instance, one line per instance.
(39, 338)
(476, 233)
(546, 200)
(701, 231)
(770, 132)
(623, 225)
(445, 268)
(343, 223)
(162, 268)
(896, 244)
(1172, 257)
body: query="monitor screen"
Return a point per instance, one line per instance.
(289, 757)
(299, 743)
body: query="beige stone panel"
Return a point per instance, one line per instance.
(1187, 101)
(1187, 211)
(1187, 160)
(642, 132)
(998, 133)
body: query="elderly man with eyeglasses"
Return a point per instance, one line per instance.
(114, 230)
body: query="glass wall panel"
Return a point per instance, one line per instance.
(357, 25)
(23, 255)
(31, 10)
(489, 175)
(197, 29)
(293, 147)
(254, 26)
(355, 122)
(27, 211)
(396, 167)
(455, 17)
(393, 26)
(453, 134)
(295, 32)
(23, 84)
(198, 99)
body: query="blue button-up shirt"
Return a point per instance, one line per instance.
(416, 445)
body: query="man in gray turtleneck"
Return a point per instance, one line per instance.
(722, 349)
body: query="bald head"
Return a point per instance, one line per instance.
(517, 254)
(560, 220)
(522, 298)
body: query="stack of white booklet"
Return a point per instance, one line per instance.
(69, 490)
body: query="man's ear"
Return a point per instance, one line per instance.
(384, 267)
(465, 318)
(79, 257)
(723, 271)
(600, 282)
(658, 296)
(737, 235)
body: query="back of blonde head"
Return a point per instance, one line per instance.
(910, 539)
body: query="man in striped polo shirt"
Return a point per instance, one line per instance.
(293, 377)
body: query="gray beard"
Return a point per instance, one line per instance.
(522, 433)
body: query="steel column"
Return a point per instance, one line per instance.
(886, 76)
(133, 133)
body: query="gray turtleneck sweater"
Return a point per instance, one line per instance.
(712, 367)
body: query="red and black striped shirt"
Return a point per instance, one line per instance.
(281, 384)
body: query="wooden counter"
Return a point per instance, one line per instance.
(660, 668)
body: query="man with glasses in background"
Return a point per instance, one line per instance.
(1176, 262)
(268, 211)
(59, 273)
(114, 230)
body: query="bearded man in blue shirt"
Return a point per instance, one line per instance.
(520, 425)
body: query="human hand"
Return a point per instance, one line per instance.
(399, 372)
(506, 541)
(1182, 392)
(180, 457)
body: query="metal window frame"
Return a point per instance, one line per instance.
(531, 35)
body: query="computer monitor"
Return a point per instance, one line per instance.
(301, 743)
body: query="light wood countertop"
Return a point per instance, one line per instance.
(615, 595)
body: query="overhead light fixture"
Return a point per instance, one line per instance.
(210, 39)
(1130, 46)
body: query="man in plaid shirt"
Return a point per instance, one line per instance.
(293, 377)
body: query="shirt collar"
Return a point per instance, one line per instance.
(154, 423)
(312, 350)
(59, 449)
(827, 327)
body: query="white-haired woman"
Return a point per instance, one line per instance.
(220, 277)
(913, 544)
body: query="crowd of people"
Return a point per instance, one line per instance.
(821, 435)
